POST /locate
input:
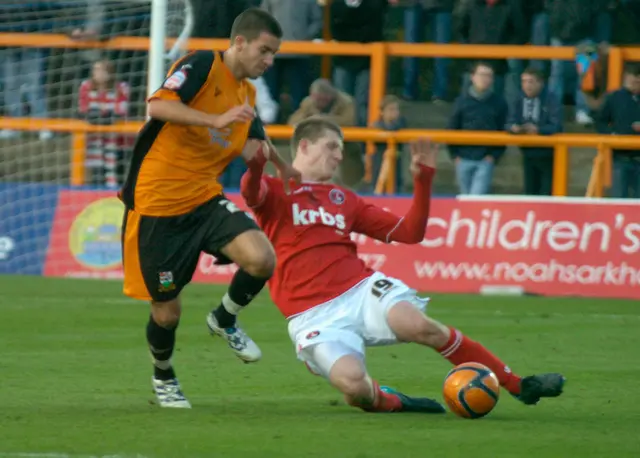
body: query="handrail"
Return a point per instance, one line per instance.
(559, 142)
(379, 54)
(358, 134)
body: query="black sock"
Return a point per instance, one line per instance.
(242, 290)
(161, 342)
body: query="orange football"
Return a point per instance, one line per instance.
(471, 390)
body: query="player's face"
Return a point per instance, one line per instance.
(325, 155)
(257, 55)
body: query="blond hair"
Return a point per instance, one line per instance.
(313, 129)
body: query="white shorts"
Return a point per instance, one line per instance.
(356, 319)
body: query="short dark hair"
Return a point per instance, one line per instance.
(313, 129)
(537, 74)
(254, 21)
(476, 65)
(632, 68)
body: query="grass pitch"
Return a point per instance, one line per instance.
(75, 381)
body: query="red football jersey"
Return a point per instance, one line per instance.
(310, 229)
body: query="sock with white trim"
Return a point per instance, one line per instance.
(460, 349)
(242, 290)
(161, 344)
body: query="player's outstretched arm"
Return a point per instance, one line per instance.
(382, 225)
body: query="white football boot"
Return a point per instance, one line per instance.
(169, 393)
(240, 343)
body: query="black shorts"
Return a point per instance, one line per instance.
(160, 254)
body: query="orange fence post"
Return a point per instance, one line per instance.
(560, 170)
(377, 90)
(391, 158)
(377, 80)
(594, 179)
(607, 156)
(616, 64)
(381, 180)
(78, 148)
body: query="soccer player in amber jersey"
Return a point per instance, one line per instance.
(336, 306)
(201, 119)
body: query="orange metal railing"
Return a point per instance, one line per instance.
(561, 143)
(379, 54)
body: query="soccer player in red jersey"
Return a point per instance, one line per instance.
(336, 305)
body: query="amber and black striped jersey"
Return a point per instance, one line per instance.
(175, 167)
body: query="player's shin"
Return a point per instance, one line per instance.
(161, 344)
(411, 325)
(243, 288)
(460, 349)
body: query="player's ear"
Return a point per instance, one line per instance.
(239, 41)
(303, 145)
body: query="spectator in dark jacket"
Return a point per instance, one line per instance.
(494, 22)
(620, 115)
(572, 23)
(479, 108)
(437, 16)
(356, 21)
(536, 112)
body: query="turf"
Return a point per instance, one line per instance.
(75, 380)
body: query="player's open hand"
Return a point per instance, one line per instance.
(423, 152)
(240, 113)
(286, 172)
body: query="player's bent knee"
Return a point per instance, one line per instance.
(262, 264)
(411, 325)
(253, 253)
(166, 314)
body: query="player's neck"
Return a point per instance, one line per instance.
(230, 59)
(311, 178)
(306, 173)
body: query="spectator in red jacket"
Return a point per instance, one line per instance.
(103, 101)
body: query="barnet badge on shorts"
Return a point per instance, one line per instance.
(166, 282)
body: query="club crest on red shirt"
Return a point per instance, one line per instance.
(336, 196)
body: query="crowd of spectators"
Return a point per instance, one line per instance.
(520, 97)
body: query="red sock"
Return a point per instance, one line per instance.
(382, 402)
(460, 349)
